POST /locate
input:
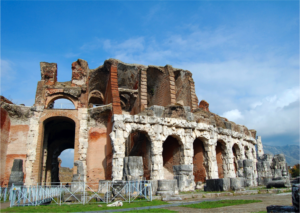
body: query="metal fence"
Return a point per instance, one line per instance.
(4, 194)
(78, 193)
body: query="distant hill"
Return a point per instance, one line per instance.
(291, 152)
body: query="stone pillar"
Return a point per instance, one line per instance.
(79, 72)
(228, 162)
(32, 145)
(211, 161)
(260, 150)
(81, 150)
(133, 168)
(193, 94)
(143, 90)
(49, 72)
(157, 160)
(184, 176)
(188, 150)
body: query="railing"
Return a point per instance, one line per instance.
(79, 193)
(4, 194)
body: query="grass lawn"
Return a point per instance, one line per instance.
(151, 210)
(219, 203)
(80, 207)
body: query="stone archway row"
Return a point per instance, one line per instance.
(158, 129)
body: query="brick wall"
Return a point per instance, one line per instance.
(96, 162)
(37, 164)
(198, 159)
(5, 127)
(219, 160)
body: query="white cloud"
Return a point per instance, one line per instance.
(233, 115)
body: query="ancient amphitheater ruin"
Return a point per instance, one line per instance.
(126, 110)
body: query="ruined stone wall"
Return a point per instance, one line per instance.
(159, 128)
(4, 131)
(118, 99)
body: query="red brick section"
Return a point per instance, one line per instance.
(49, 72)
(143, 90)
(5, 127)
(171, 153)
(2, 98)
(39, 96)
(37, 165)
(204, 105)
(198, 159)
(115, 96)
(219, 160)
(193, 94)
(9, 163)
(172, 85)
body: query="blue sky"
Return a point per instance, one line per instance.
(244, 55)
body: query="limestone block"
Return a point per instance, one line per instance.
(116, 117)
(119, 134)
(143, 119)
(152, 120)
(128, 118)
(157, 129)
(166, 187)
(217, 184)
(136, 118)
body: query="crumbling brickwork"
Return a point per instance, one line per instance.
(124, 110)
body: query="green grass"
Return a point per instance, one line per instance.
(80, 207)
(219, 203)
(151, 210)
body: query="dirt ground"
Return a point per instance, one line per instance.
(267, 200)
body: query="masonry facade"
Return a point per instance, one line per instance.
(122, 110)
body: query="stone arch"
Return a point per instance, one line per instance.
(172, 154)
(95, 97)
(200, 165)
(138, 143)
(236, 151)
(52, 98)
(38, 163)
(221, 157)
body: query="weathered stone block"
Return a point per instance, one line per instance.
(222, 184)
(166, 187)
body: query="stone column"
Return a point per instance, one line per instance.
(228, 162)
(260, 149)
(188, 150)
(83, 138)
(211, 161)
(157, 160)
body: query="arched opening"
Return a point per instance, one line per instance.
(96, 98)
(198, 161)
(61, 103)
(59, 135)
(66, 163)
(171, 156)
(236, 156)
(220, 154)
(138, 144)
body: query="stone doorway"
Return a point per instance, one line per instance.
(236, 156)
(171, 156)
(220, 155)
(198, 161)
(138, 144)
(59, 135)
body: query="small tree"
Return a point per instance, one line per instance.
(295, 170)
